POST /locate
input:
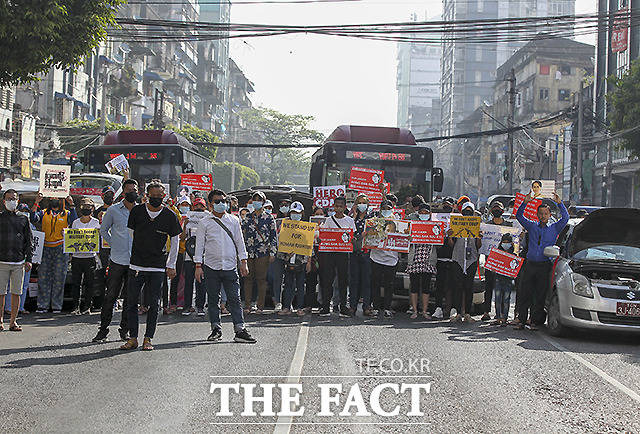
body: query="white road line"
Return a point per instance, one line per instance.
(599, 372)
(283, 424)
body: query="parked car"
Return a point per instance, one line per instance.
(596, 278)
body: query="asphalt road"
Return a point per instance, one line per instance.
(475, 378)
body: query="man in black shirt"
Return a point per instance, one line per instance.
(152, 224)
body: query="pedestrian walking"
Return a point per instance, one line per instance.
(83, 264)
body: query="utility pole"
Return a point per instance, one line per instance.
(609, 173)
(580, 135)
(511, 93)
(155, 109)
(103, 103)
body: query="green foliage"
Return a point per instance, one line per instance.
(76, 134)
(35, 36)
(288, 165)
(195, 134)
(624, 107)
(245, 176)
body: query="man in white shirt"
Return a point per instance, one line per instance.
(336, 263)
(83, 265)
(219, 247)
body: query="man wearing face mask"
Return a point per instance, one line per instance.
(100, 278)
(114, 231)
(52, 271)
(194, 217)
(83, 265)
(151, 223)
(15, 255)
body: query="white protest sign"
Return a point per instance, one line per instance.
(38, 246)
(55, 180)
(443, 217)
(540, 189)
(118, 164)
(492, 235)
(323, 197)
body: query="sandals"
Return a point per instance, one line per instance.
(131, 344)
(15, 328)
(414, 315)
(146, 345)
(426, 316)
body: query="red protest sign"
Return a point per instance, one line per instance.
(531, 211)
(427, 232)
(503, 263)
(366, 180)
(197, 181)
(85, 191)
(323, 196)
(335, 240)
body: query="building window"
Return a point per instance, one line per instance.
(518, 99)
(544, 94)
(563, 94)
(544, 69)
(564, 69)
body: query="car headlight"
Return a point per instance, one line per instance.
(581, 286)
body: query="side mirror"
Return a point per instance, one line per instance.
(437, 177)
(552, 251)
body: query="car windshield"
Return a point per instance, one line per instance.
(611, 253)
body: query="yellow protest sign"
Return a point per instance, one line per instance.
(465, 226)
(81, 240)
(296, 237)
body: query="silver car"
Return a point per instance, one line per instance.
(596, 278)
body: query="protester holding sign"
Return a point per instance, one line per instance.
(444, 271)
(383, 270)
(53, 269)
(421, 266)
(360, 265)
(503, 286)
(83, 265)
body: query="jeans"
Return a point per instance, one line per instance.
(382, 276)
(502, 291)
(52, 273)
(360, 281)
(82, 272)
(294, 284)
(117, 279)
(152, 282)
(23, 297)
(332, 264)
(257, 273)
(463, 287)
(533, 291)
(214, 280)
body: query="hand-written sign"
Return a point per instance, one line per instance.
(426, 232)
(465, 226)
(81, 240)
(336, 240)
(503, 263)
(55, 180)
(296, 237)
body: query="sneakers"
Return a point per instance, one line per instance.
(344, 312)
(57, 311)
(243, 336)
(284, 312)
(455, 318)
(215, 335)
(41, 310)
(438, 313)
(485, 317)
(200, 311)
(324, 311)
(453, 313)
(75, 311)
(186, 312)
(278, 306)
(101, 336)
(254, 307)
(131, 344)
(388, 314)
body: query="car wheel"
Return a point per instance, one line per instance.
(554, 326)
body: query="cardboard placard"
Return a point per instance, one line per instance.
(388, 234)
(465, 226)
(55, 180)
(492, 235)
(336, 240)
(531, 210)
(503, 263)
(119, 164)
(37, 238)
(296, 237)
(197, 181)
(365, 179)
(427, 232)
(323, 196)
(81, 240)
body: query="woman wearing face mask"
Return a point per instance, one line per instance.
(295, 269)
(83, 265)
(383, 270)
(421, 266)
(360, 273)
(53, 268)
(283, 209)
(444, 273)
(503, 286)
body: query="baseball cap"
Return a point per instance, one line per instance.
(296, 207)
(463, 199)
(199, 201)
(386, 202)
(183, 199)
(497, 204)
(106, 189)
(268, 203)
(467, 205)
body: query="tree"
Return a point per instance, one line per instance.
(35, 36)
(282, 166)
(624, 107)
(245, 176)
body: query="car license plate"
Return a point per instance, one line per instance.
(628, 309)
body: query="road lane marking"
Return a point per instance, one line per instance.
(283, 424)
(599, 372)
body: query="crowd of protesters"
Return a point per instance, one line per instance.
(160, 254)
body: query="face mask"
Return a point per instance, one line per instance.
(220, 207)
(506, 246)
(131, 197)
(349, 206)
(496, 212)
(467, 212)
(284, 209)
(362, 207)
(331, 213)
(11, 205)
(54, 204)
(155, 201)
(108, 199)
(85, 211)
(423, 216)
(386, 213)
(296, 216)
(256, 205)
(184, 209)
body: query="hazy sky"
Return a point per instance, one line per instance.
(337, 80)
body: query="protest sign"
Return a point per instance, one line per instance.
(388, 234)
(119, 164)
(85, 191)
(323, 196)
(366, 180)
(197, 181)
(492, 234)
(296, 237)
(540, 189)
(336, 240)
(55, 180)
(465, 226)
(81, 240)
(427, 232)
(503, 263)
(442, 217)
(37, 238)
(531, 210)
